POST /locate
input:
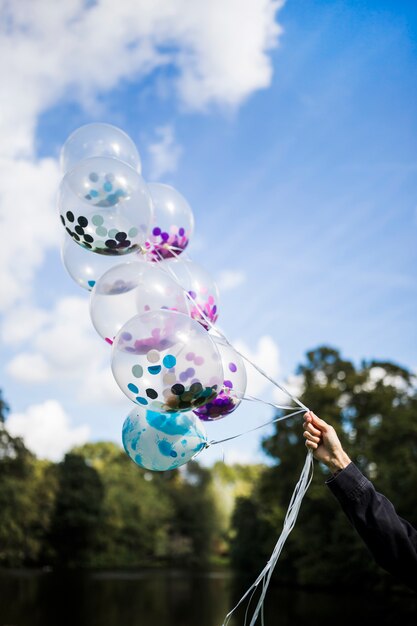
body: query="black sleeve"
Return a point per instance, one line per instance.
(391, 539)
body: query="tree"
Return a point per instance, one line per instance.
(26, 496)
(4, 408)
(136, 510)
(77, 512)
(373, 407)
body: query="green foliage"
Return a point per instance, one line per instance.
(26, 496)
(373, 408)
(77, 511)
(98, 509)
(251, 542)
(4, 409)
(135, 515)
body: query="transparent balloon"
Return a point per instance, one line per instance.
(129, 289)
(105, 206)
(203, 291)
(173, 222)
(83, 267)
(98, 140)
(166, 361)
(161, 442)
(233, 388)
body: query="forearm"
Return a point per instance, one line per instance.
(391, 540)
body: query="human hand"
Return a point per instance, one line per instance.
(322, 439)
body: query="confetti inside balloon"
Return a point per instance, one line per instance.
(173, 222)
(233, 388)
(200, 286)
(105, 206)
(161, 442)
(129, 289)
(166, 361)
(97, 140)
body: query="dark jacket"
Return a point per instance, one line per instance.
(391, 539)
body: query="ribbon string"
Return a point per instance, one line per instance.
(289, 522)
(251, 430)
(264, 578)
(216, 329)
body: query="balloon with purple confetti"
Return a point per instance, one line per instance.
(233, 388)
(173, 222)
(202, 291)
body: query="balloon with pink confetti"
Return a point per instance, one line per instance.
(129, 289)
(202, 291)
(233, 388)
(173, 222)
(165, 361)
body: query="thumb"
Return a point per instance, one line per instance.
(319, 423)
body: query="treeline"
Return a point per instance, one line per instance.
(97, 509)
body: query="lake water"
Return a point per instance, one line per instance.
(174, 598)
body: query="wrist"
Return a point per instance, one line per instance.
(338, 462)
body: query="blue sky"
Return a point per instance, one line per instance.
(303, 190)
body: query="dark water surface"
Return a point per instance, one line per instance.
(174, 598)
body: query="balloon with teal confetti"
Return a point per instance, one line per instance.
(105, 206)
(166, 361)
(161, 442)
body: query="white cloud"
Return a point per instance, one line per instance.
(237, 456)
(378, 374)
(64, 348)
(29, 222)
(98, 385)
(225, 58)
(22, 324)
(230, 279)
(29, 367)
(165, 153)
(50, 50)
(294, 384)
(46, 430)
(266, 356)
(69, 339)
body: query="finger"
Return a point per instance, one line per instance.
(311, 437)
(311, 429)
(308, 416)
(311, 445)
(319, 423)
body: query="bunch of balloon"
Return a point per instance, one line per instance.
(125, 242)
(154, 306)
(104, 204)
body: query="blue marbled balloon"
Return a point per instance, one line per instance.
(161, 441)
